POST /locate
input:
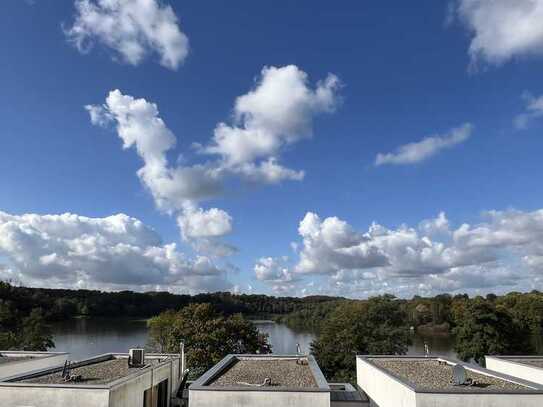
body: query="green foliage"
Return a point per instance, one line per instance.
(482, 328)
(376, 326)
(60, 304)
(35, 333)
(160, 329)
(19, 332)
(309, 318)
(208, 335)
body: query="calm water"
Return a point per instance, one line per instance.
(89, 337)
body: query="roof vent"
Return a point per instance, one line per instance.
(136, 358)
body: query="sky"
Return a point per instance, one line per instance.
(284, 148)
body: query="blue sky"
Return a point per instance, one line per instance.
(457, 72)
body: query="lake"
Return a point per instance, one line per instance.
(83, 338)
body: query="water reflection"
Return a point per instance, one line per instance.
(83, 338)
(284, 340)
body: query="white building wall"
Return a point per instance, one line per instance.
(382, 389)
(21, 396)
(176, 373)
(226, 398)
(130, 393)
(163, 373)
(530, 373)
(27, 365)
(479, 400)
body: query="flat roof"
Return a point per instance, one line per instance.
(249, 372)
(100, 370)
(10, 359)
(253, 372)
(534, 361)
(434, 374)
(9, 356)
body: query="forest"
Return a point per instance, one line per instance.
(506, 324)
(429, 315)
(58, 304)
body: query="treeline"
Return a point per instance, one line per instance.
(433, 315)
(426, 314)
(58, 304)
(511, 324)
(310, 317)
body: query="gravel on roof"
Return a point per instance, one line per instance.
(282, 372)
(531, 362)
(95, 373)
(430, 375)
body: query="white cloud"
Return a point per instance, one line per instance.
(504, 229)
(196, 222)
(203, 229)
(533, 111)
(267, 172)
(280, 109)
(503, 253)
(138, 125)
(502, 29)
(277, 112)
(174, 189)
(437, 225)
(332, 245)
(131, 28)
(273, 270)
(113, 252)
(419, 151)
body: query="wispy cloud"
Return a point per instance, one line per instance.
(421, 150)
(533, 110)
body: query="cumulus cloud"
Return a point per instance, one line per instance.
(196, 222)
(204, 228)
(502, 29)
(113, 252)
(277, 112)
(507, 229)
(533, 111)
(331, 245)
(131, 28)
(503, 252)
(421, 150)
(267, 172)
(438, 225)
(273, 270)
(138, 125)
(277, 274)
(174, 188)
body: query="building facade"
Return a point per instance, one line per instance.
(103, 381)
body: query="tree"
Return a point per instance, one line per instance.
(23, 333)
(376, 326)
(208, 335)
(484, 329)
(35, 333)
(160, 329)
